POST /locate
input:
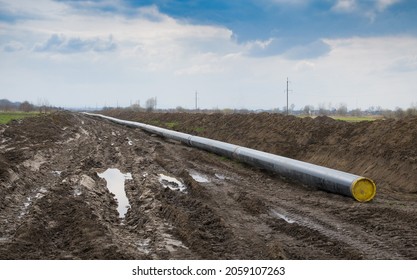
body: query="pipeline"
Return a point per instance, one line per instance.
(360, 188)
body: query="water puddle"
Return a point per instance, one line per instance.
(284, 217)
(199, 177)
(172, 183)
(116, 185)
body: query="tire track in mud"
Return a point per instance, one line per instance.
(228, 210)
(367, 246)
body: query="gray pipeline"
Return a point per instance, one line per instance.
(360, 188)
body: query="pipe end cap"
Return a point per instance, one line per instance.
(363, 189)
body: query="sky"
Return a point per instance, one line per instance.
(234, 54)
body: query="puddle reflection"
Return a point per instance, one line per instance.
(116, 185)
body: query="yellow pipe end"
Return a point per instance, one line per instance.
(363, 189)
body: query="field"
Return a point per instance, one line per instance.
(357, 118)
(6, 117)
(185, 203)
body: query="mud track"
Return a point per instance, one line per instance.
(53, 205)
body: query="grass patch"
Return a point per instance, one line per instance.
(6, 117)
(199, 129)
(155, 122)
(354, 119)
(171, 125)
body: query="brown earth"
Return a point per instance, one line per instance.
(53, 205)
(385, 150)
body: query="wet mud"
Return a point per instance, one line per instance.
(189, 204)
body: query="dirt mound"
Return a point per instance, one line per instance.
(29, 136)
(384, 150)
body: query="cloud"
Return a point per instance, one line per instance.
(290, 2)
(290, 49)
(9, 14)
(381, 5)
(13, 46)
(308, 51)
(304, 65)
(369, 9)
(404, 64)
(344, 6)
(22, 10)
(61, 44)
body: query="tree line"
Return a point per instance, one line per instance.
(25, 106)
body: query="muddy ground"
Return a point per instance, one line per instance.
(53, 205)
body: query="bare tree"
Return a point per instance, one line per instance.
(26, 107)
(399, 113)
(43, 105)
(151, 104)
(357, 112)
(308, 109)
(135, 106)
(292, 107)
(342, 110)
(180, 109)
(322, 109)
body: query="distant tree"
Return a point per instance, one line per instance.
(356, 112)
(411, 111)
(135, 106)
(151, 104)
(399, 113)
(322, 109)
(43, 105)
(227, 111)
(371, 110)
(308, 109)
(342, 110)
(26, 107)
(180, 109)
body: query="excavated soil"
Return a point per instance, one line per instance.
(53, 205)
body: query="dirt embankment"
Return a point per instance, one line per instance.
(384, 150)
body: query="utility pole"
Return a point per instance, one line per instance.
(196, 100)
(287, 96)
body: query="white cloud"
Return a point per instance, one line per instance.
(344, 6)
(13, 46)
(61, 44)
(290, 2)
(368, 9)
(381, 5)
(304, 65)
